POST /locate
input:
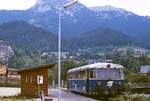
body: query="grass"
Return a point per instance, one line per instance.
(18, 98)
(130, 98)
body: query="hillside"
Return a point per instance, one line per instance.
(144, 40)
(101, 37)
(27, 36)
(79, 19)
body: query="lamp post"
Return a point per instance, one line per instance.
(44, 54)
(59, 44)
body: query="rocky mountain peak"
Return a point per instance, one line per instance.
(5, 52)
(52, 3)
(108, 8)
(47, 5)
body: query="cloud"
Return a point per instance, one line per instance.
(140, 7)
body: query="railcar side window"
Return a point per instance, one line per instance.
(92, 73)
(80, 74)
(71, 75)
(84, 74)
(76, 75)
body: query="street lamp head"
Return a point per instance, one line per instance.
(44, 54)
(70, 4)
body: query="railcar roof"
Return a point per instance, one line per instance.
(96, 65)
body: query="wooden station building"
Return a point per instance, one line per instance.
(2, 70)
(34, 80)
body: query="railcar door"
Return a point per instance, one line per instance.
(87, 81)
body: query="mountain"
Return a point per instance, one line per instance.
(27, 36)
(109, 8)
(80, 19)
(125, 21)
(10, 15)
(144, 41)
(46, 16)
(5, 52)
(101, 37)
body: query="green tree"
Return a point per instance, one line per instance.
(143, 60)
(66, 66)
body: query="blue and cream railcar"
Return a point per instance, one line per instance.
(87, 79)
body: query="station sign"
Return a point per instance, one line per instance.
(40, 79)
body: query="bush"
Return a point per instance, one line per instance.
(10, 84)
(130, 98)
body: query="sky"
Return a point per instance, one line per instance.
(140, 7)
(16, 4)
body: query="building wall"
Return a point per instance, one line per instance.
(3, 69)
(145, 69)
(29, 86)
(13, 75)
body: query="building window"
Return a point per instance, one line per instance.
(26, 79)
(31, 80)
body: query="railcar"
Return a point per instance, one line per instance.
(89, 79)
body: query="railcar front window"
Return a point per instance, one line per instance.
(106, 74)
